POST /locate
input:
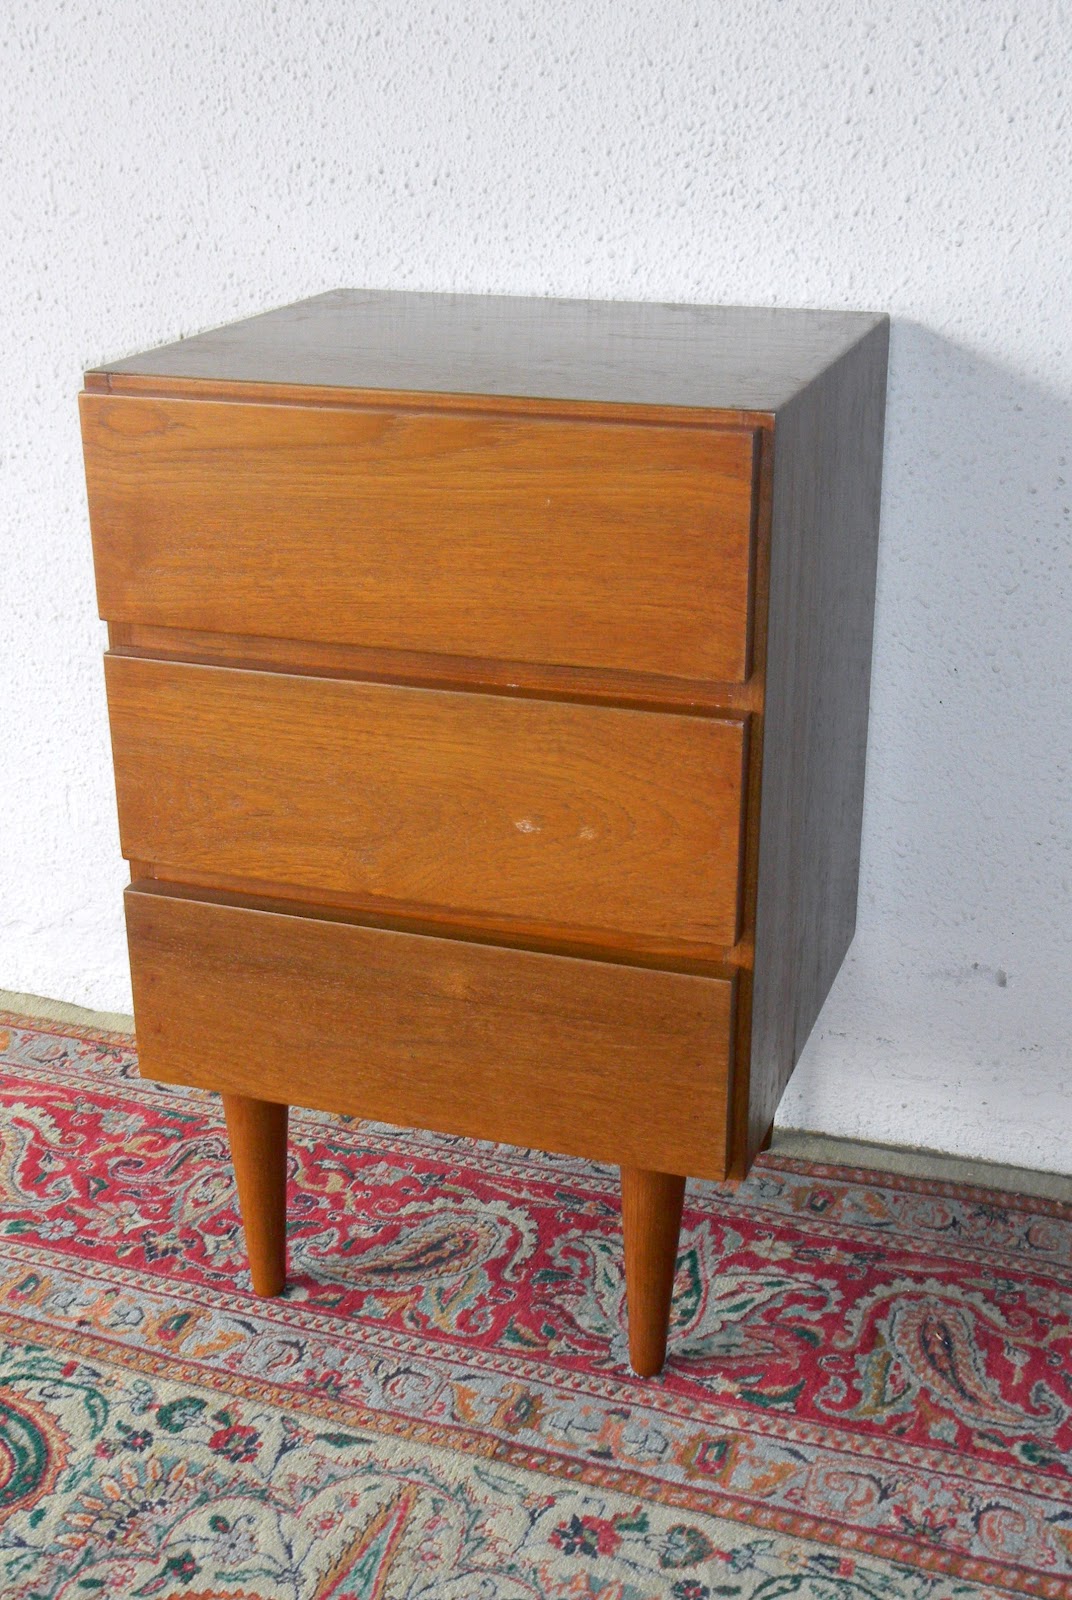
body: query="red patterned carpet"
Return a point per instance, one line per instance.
(868, 1395)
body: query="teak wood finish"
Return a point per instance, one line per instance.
(257, 1131)
(651, 1222)
(487, 536)
(488, 683)
(592, 1058)
(530, 810)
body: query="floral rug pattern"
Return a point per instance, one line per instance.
(868, 1393)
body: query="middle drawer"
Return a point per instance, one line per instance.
(543, 814)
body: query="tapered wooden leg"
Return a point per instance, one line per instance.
(257, 1130)
(651, 1221)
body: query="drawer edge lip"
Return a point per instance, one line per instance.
(522, 680)
(101, 381)
(719, 968)
(737, 716)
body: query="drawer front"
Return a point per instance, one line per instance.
(543, 814)
(540, 540)
(618, 1063)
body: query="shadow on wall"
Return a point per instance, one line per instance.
(973, 662)
(961, 963)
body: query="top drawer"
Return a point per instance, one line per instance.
(596, 544)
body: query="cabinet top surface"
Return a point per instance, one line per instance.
(618, 352)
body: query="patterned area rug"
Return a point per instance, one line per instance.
(869, 1390)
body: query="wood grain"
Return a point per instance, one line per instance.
(515, 569)
(516, 347)
(257, 1132)
(621, 1064)
(651, 1222)
(823, 550)
(426, 670)
(640, 950)
(617, 545)
(584, 817)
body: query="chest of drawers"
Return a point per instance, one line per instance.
(488, 688)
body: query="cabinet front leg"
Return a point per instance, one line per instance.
(651, 1222)
(257, 1130)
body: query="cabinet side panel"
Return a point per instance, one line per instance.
(824, 538)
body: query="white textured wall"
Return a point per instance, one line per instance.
(169, 167)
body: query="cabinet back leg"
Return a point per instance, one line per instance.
(651, 1222)
(257, 1130)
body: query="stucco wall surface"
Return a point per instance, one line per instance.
(167, 168)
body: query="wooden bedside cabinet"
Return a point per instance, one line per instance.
(488, 687)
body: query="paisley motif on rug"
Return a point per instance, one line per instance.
(868, 1392)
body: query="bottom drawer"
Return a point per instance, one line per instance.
(618, 1063)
